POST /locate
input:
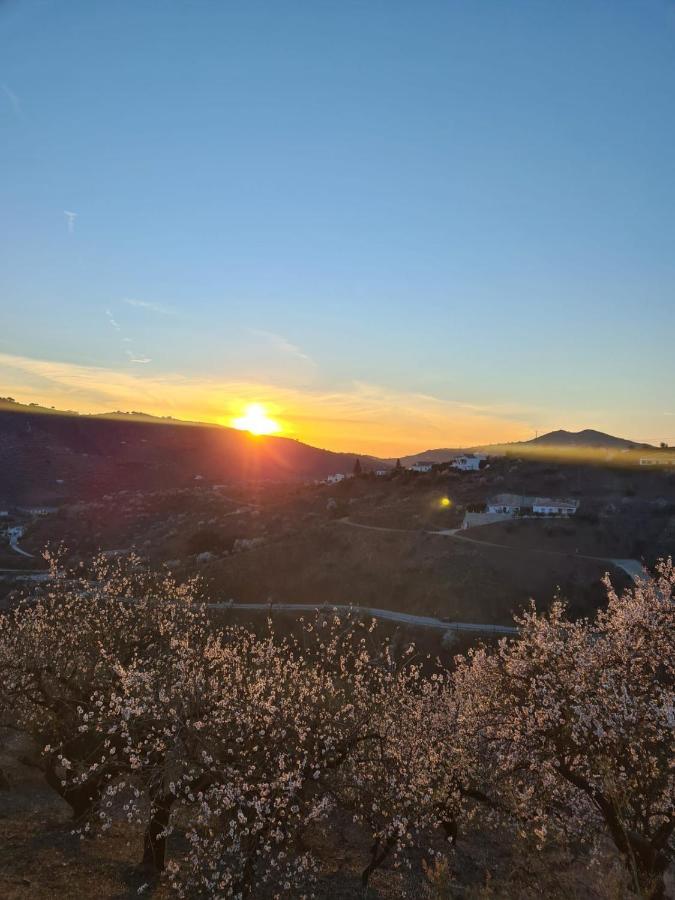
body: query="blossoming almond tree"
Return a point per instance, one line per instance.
(149, 712)
(239, 742)
(578, 720)
(60, 654)
(393, 783)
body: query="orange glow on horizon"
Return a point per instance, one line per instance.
(356, 418)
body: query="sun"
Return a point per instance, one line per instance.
(256, 420)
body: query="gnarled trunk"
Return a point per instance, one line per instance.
(378, 854)
(154, 839)
(80, 797)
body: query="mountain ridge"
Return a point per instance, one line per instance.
(47, 455)
(587, 438)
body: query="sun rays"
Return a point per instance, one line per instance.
(256, 421)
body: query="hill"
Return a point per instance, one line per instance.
(47, 456)
(586, 438)
(562, 440)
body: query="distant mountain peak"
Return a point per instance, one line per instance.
(588, 437)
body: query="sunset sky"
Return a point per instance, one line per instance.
(396, 225)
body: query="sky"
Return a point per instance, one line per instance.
(397, 225)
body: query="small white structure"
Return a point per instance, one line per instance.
(469, 463)
(545, 506)
(422, 466)
(509, 504)
(381, 472)
(665, 460)
(334, 479)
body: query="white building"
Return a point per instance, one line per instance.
(381, 472)
(334, 479)
(469, 463)
(665, 460)
(518, 505)
(509, 504)
(546, 506)
(422, 467)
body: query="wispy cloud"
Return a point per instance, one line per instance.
(281, 344)
(137, 359)
(158, 308)
(134, 357)
(115, 324)
(14, 101)
(70, 220)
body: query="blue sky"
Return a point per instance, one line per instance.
(397, 224)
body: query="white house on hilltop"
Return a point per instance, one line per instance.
(469, 463)
(517, 504)
(334, 479)
(509, 504)
(545, 506)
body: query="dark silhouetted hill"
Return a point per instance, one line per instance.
(47, 455)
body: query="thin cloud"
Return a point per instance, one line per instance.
(70, 219)
(137, 359)
(112, 321)
(152, 307)
(281, 344)
(14, 101)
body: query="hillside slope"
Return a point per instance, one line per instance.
(47, 455)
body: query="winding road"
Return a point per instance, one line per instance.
(15, 534)
(374, 613)
(632, 567)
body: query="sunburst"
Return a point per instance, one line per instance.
(256, 420)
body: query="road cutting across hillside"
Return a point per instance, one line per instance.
(632, 567)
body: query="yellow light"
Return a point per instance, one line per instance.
(256, 420)
(446, 501)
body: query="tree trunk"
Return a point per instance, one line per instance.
(650, 874)
(81, 797)
(154, 839)
(377, 857)
(450, 829)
